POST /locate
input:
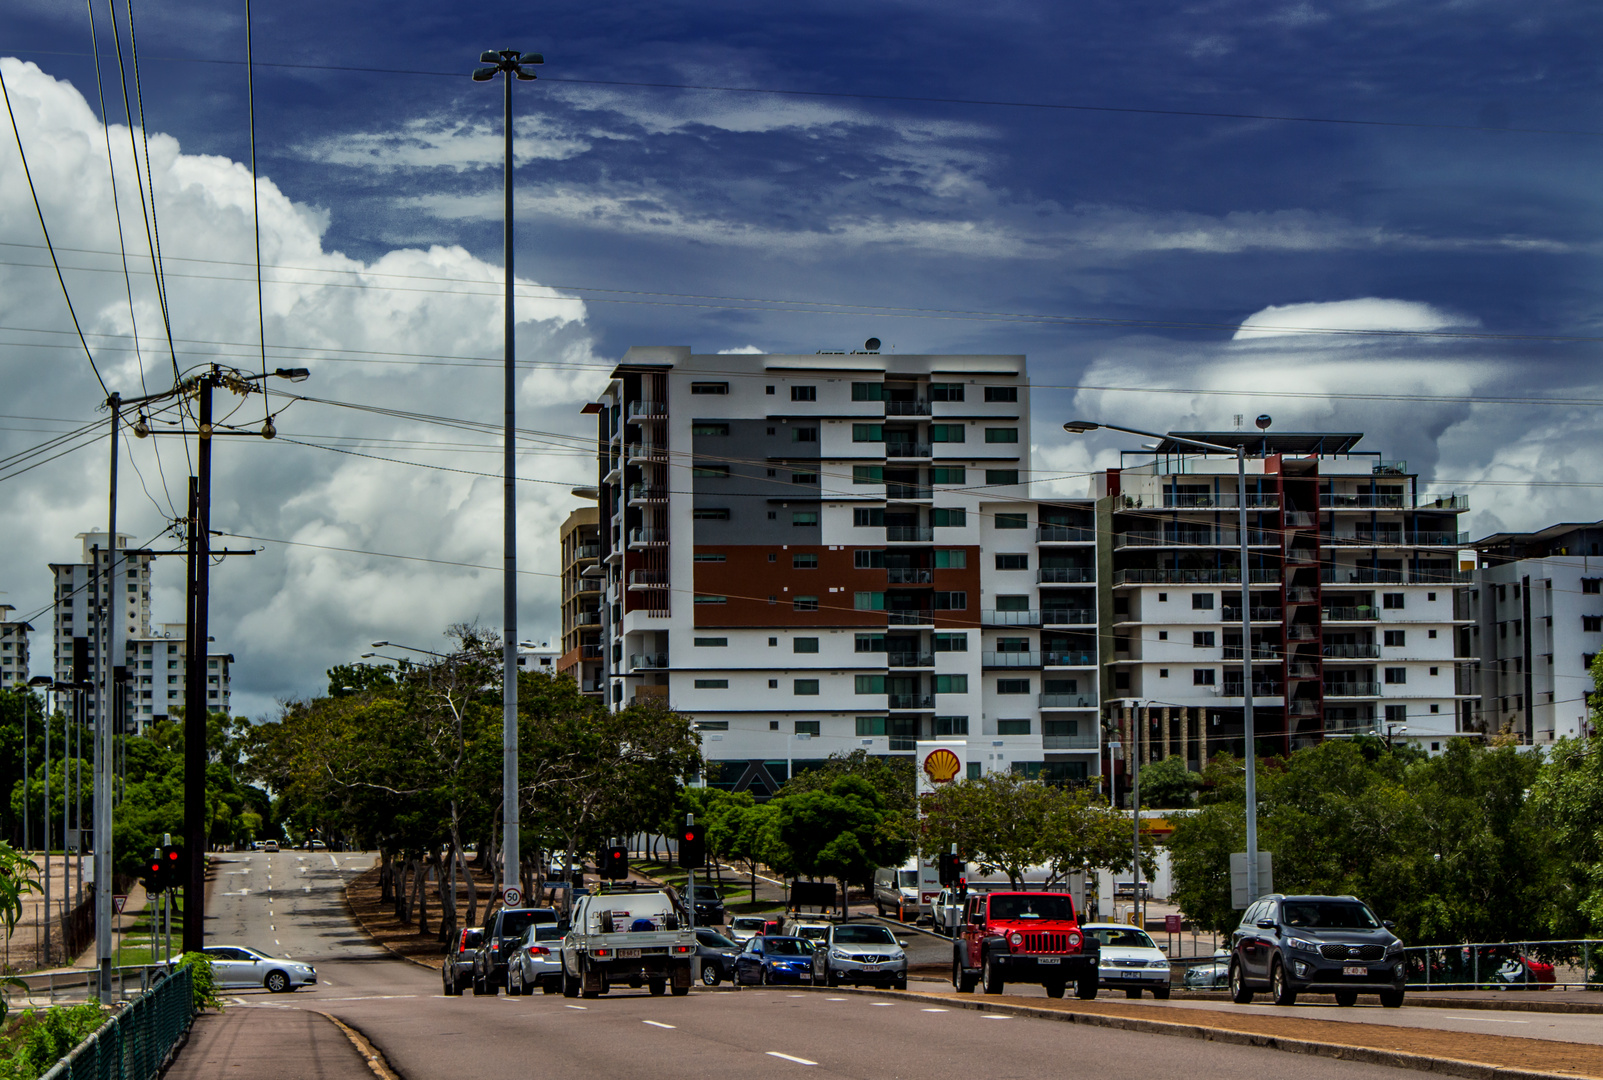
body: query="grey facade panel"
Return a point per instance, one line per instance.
(748, 492)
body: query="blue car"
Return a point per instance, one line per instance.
(766, 961)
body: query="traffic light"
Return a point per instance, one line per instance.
(951, 866)
(156, 880)
(693, 847)
(177, 868)
(615, 862)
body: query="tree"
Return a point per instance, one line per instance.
(837, 832)
(1168, 783)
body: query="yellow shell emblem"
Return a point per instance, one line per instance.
(942, 766)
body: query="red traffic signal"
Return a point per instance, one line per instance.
(693, 847)
(156, 877)
(615, 862)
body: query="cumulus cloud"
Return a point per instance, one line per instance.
(411, 330)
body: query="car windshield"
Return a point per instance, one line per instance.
(1120, 938)
(514, 923)
(713, 939)
(542, 932)
(863, 935)
(748, 922)
(1330, 915)
(787, 946)
(813, 933)
(907, 879)
(1032, 906)
(704, 893)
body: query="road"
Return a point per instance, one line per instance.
(290, 904)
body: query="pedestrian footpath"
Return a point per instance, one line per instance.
(269, 1044)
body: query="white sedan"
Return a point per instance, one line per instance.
(1130, 960)
(235, 968)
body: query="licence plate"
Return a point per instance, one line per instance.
(1129, 974)
(1049, 959)
(628, 954)
(1355, 969)
(870, 967)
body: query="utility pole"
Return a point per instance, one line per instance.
(109, 694)
(195, 708)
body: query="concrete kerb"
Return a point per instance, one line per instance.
(1474, 1070)
(371, 1054)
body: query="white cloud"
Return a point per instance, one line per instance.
(1369, 313)
(742, 350)
(446, 141)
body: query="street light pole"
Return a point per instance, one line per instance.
(509, 63)
(1079, 427)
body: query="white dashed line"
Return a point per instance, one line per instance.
(935, 1010)
(581, 1008)
(994, 1016)
(788, 1057)
(882, 1004)
(658, 1023)
(834, 999)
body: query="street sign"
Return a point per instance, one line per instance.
(1238, 878)
(1171, 924)
(512, 897)
(117, 903)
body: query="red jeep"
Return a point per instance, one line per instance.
(1028, 937)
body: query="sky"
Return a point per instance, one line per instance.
(1357, 216)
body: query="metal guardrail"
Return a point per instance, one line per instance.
(135, 1043)
(1507, 965)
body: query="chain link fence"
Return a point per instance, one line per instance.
(139, 1039)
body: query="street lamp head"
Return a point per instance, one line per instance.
(1080, 427)
(41, 680)
(489, 56)
(484, 74)
(531, 58)
(293, 374)
(525, 76)
(268, 430)
(380, 644)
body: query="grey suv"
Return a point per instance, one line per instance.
(1293, 944)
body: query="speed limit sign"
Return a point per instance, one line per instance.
(511, 897)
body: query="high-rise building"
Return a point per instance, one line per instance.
(1359, 612)
(82, 590)
(582, 577)
(1538, 605)
(157, 665)
(814, 554)
(13, 649)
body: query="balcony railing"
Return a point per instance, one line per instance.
(907, 408)
(1301, 632)
(1010, 659)
(1369, 575)
(1066, 575)
(1377, 500)
(1165, 576)
(1065, 534)
(1259, 652)
(1360, 613)
(907, 450)
(587, 551)
(648, 536)
(1068, 616)
(1257, 614)
(1068, 658)
(908, 491)
(1218, 500)
(648, 577)
(1195, 538)
(918, 702)
(648, 660)
(1259, 689)
(1351, 652)
(1068, 701)
(1352, 689)
(909, 534)
(1301, 595)
(910, 618)
(590, 652)
(647, 409)
(645, 450)
(910, 660)
(587, 618)
(1399, 538)
(1010, 618)
(904, 575)
(1080, 741)
(647, 493)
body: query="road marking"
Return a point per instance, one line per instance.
(335, 861)
(994, 1016)
(581, 1008)
(935, 1010)
(834, 999)
(277, 942)
(788, 1057)
(882, 1004)
(658, 1023)
(1487, 1020)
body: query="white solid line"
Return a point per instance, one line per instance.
(788, 1057)
(277, 942)
(658, 1023)
(581, 1008)
(935, 1010)
(1487, 1020)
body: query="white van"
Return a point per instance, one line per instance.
(896, 891)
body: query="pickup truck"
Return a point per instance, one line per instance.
(1028, 937)
(638, 938)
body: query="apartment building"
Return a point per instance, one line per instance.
(1538, 606)
(813, 554)
(1359, 614)
(157, 664)
(582, 577)
(13, 649)
(81, 593)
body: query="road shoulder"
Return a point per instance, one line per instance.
(270, 1043)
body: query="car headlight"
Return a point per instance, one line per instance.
(1303, 943)
(838, 955)
(1016, 938)
(1158, 964)
(1074, 939)
(1394, 949)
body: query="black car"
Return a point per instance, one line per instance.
(500, 939)
(1292, 944)
(717, 954)
(709, 906)
(456, 971)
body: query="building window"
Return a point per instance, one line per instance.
(1396, 676)
(1012, 727)
(947, 433)
(806, 688)
(870, 725)
(1013, 521)
(951, 601)
(870, 643)
(1202, 677)
(1001, 434)
(804, 434)
(1012, 561)
(711, 642)
(710, 513)
(868, 474)
(804, 644)
(948, 474)
(946, 391)
(709, 388)
(1591, 585)
(1432, 634)
(712, 684)
(804, 478)
(954, 517)
(1591, 624)
(1163, 673)
(773, 515)
(951, 559)
(712, 725)
(708, 557)
(868, 559)
(1396, 714)
(1012, 602)
(1435, 671)
(700, 599)
(1001, 393)
(950, 725)
(1001, 476)
(804, 393)
(951, 643)
(868, 391)
(804, 562)
(1392, 601)
(868, 517)
(951, 684)
(804, 519)
(869, 684)
(804, 603)
(705, 427)
(1202, 639)
(1395, 639)
(868, 433)
(868, 601)
(1202, 601)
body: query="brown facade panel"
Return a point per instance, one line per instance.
(747, 579)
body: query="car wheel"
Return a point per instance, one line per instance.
(514, 985)
(1054, 990)
(1086, 988)
(450, 987)
(658, 987)
(1279, 987)
(762, 977)
(1238, 985)
(879, 907)
(709, 975)
(277, 982)
(570, 984)
(1346, 998)
(1133, 994)
(1161, 993)
(1391, 999)
(992, 978)
(900, 983)
(681, 991)
(491, 987)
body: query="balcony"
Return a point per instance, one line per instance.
(647, 410)
(910, 618)
(1360, 613)
(647, 537)
(1078, 741)
(1369, 575)
(909, 660)
(1380, 500)
(1065, 575)
(1259, 689)
(904, 575)
(908, 492)
(1061, 534)
(1351, 652)
(907, 408)
(1068, 701)
(587, 552)
(1195, 538)
(992, 659)
(909, 534)
(910, 702)
(907, 450)
(1068, 658)
(648, 579)
(1256, 614)
(1259, 652)
(1398, 538)
(587, 618)
(648, 661)
(1068, 617)
(645, 451)
(1352, 689)
(639, 493)
(1167, 576)
(1218, 500)
(590, 652)
(1010, 618)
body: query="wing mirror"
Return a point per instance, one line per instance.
(902, 942)
(1389, 924)
(1268, 924)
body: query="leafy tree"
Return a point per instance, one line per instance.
(1168, 783)
(837, 832)
(1569, 795)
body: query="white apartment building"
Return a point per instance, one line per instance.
(81, 593)
(1538, 606)
(157, 665)
(13, 649)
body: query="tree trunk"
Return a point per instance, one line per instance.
(386, 877)
(448, 895)
(473, 889)
(403, 892)
(423, 894)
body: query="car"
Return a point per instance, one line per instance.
(1211, 974)
(456, 970)
(1130, 961)
(270, 845)
(947, 912)
(500, 938)
(316, 845)
(235, 967)
(860, 953)
(896, 891)
(709, 905)
(1024, 937)
(767, 960)
(1291, 944)
(742, 927)
(537, 961)
(814, 930)
(717, 955)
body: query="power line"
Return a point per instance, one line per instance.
(255, 207)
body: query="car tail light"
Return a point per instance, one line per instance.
(539, 950)
(682, 948)
(1016, 938)
(602, 952)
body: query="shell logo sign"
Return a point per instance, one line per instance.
(942, 766)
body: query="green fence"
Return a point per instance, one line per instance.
(135, 1043)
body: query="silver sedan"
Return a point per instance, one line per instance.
(235, 968)
(537, 961)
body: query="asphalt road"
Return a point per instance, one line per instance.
(290, 904)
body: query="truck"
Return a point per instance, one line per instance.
(634, 937)
(1024, 937)
(907, 891)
